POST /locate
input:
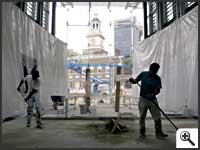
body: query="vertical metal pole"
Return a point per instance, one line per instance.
(150, 18)
(53, 23)
(89, 14)
(160, 15)
(182, 8)
(145, 19)
(117, 95)
(110, 82)
(175, 9)
(89, 27)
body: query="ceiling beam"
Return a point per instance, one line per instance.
(71, 3)
(62, 4)
(127, 4)
(67, 4)
(109, 4)
(132, 5)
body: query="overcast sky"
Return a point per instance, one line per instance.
(79, 15)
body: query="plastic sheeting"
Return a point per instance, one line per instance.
(175, 48)
(26, 43)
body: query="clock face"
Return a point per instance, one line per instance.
(93, 41)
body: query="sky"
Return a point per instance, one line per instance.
(75, 36)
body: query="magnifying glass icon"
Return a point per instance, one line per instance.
(185, 136)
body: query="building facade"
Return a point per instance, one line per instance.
(126, 33)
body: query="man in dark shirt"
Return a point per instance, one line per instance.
(150, 87)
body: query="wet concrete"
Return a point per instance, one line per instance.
(87, 134)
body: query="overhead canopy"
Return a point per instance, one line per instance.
(133, 5)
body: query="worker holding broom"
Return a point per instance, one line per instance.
(33, 97)
(150, 87)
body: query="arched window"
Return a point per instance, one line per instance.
(97, 25)
(93, 26)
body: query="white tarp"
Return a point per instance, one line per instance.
(175, 48)
(21, 36)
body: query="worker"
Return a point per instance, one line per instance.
(150, 87)
(32, 97)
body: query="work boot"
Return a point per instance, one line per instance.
(142, 136)
(40, 125)
(28, 124)
(159, 132)
(161, 135)
(142, 133)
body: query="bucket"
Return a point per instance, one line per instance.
(83, 108)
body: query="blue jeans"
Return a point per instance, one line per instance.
(34, 101)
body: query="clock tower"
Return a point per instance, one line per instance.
(95, 39)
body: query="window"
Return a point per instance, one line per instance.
(152, 17)
(45, 18)
(32, 9)
(189, 5)
(107, 76)
(107, 69)
(99, 69)
(71, 85)
(77, 77)
(99, 76)
(91, 69)
(77, 85)
(169, 12)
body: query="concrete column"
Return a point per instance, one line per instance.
(87, 89)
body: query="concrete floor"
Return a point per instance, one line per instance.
(87, 134)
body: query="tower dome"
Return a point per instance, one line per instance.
(95, 24)
(95, 19)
